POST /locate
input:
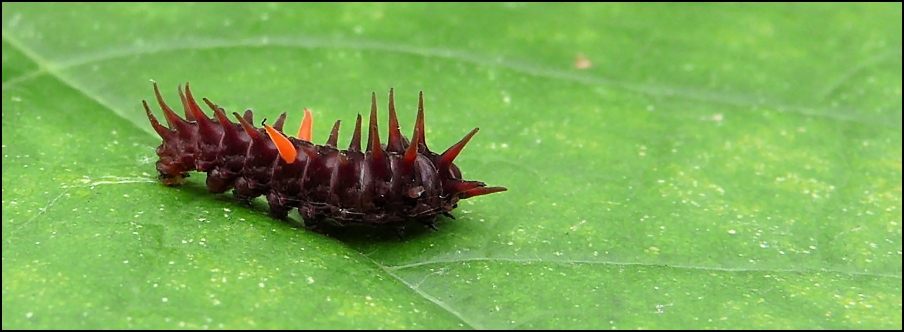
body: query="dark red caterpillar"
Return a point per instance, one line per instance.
(384, 185)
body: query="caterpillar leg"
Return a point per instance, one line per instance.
(246, 189)
(313, 225)
(278, 208)
(400, 232)
(169, 176)
(219, 181)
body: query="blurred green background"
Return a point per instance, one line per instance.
(677, 166)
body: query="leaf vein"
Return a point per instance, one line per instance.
(614, 263)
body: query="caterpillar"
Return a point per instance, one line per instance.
(389, 185)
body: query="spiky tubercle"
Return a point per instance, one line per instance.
(389, 184)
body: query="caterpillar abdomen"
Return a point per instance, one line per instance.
(389, 184)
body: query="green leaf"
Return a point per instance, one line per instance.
(677, 166)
